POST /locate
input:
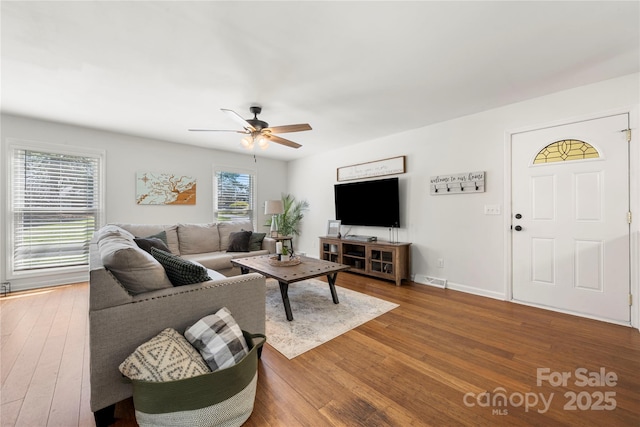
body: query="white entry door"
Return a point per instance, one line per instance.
(570, 204)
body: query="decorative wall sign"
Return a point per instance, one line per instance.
(392, 166)
(165, 189)
(458, 183)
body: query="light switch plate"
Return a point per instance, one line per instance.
(492, 209)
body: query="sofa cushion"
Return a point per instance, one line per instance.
(255, 243)
(219, 339)
(134, 268)
(227, 227)
(239, 241)
(180, 271)
(150, 242)
(198, 238)
(213, 260)
(166, 357)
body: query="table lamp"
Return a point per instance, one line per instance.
(274, 208)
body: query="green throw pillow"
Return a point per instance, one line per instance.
(180, 271)
(239, 241)
(255, 243)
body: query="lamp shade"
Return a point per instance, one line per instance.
(273, 207)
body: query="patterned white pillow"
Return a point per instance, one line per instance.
(166, 357)
(219, 339)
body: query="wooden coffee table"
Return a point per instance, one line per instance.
(308, 268)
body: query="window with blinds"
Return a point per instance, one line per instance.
(55, 207)
(234, 196)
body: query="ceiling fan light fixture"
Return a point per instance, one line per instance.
(247, 142)
(263, 143)
(258, 131)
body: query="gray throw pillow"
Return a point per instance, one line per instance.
(239, 241)
(135, 269)
(151, 242)
(161, 235)
(180, 271)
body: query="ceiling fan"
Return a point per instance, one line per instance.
(258, 131)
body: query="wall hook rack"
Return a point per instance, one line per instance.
(459, 183)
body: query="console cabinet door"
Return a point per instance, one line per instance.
(382, 261)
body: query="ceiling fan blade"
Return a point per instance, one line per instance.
(289, 128)
(218, 130)
(238, 119)
(282, 141)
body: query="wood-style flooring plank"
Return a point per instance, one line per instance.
(68, 387)
(46, 373)
(33, 336)
(412, 366)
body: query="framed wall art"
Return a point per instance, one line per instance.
(333, 228)
(165, 189)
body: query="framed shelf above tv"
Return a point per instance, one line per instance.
(385, 260)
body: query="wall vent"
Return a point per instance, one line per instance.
(431, 281)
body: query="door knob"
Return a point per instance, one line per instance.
(518, 228)
(518, 216)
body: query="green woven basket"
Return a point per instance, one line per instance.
(221, 398)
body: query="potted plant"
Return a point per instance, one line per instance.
(285, 254)
(289, 221)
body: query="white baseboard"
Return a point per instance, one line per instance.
(476, 291)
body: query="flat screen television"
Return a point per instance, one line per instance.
(371, 203)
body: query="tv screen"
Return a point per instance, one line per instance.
(373, 203)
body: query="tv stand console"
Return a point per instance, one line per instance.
(385, 260)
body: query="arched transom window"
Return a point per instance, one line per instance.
(566, 150)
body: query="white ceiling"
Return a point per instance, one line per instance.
(355, 71)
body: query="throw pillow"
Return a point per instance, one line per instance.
(219, 339)
(239, 241)
(166, 357)
(135, 269)
(225, 228)
(161, 235)
(255, 243)
(150, 242)
(180, 271)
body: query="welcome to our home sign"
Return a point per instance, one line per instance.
(458, 183)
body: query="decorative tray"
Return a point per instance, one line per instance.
(276, 262)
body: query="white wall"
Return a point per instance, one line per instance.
(452, 227)
(126, 155)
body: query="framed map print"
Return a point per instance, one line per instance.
(165, 189)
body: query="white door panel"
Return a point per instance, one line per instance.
(572, 251)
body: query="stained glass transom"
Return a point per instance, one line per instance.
(566, 150)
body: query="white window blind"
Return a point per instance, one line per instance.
(55, 205)
(234, 198)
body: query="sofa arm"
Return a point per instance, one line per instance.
(269, 244)
(116, 331)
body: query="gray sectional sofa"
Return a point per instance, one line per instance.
(131, 299)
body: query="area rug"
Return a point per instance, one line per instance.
(316, 319)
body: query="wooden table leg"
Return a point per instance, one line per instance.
(332, 286)
(284, 288)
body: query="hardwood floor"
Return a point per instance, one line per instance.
(428, 362)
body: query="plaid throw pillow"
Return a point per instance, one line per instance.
(180, 271)
(219, 339)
